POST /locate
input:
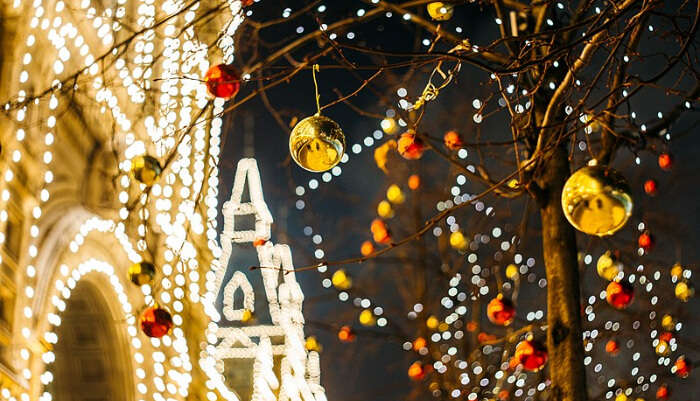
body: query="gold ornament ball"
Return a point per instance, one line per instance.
(385, 210)
(684, 291)
(676, 271)
(458, 241)
(341, 280)
(662, 348)
(366, 318)
(317, 143)
(512, 271)
(596, 200)
(146, 169)
(667, 322)
(395, 194)
(440, 11)
(608, 266)
(142, 273)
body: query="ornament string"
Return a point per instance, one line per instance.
(318, 96)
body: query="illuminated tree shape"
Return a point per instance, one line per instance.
(300, 371)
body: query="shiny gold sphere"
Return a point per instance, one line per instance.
(146, 169)
(317, 143)
(440, 11)
(142, 273)
(596, 200)
(608, 266)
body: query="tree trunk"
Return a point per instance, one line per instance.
(564, 340)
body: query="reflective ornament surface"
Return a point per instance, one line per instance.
(440, 11)
(156, 322)
(619, 294)
(500, 311)
(410, 146)
(317, 143)
(531, 354)
(453, 140)
(142, 273)
(596, 200)
(146, 169)
(222, 81)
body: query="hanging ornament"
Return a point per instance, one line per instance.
(512, 271)
(419, 343)
(367, 248)
(452, 140)
(432, 322)
(311, 344)
(156, 322)
(146, 169)
(381, 154)
(222, 81)
(414, 182)
(619, 294)
(416, 371)
(646, 241)
(395, 194)
(531, 354)
(389, 126)
(666, 336)
(341, 280)
(663, 392)
(665, 161)
(500, 311)
(440, 11)
(612, 347)
(676, 271)
(667, 322)
(458, 241)
(367, 318)
(410, 147)
(651, 188)
(141, 273)
(608, 267)
(317, 143)
(247, 316)
(346, 334)
(684, 291)
(384, 210)
(596, 200)
(380, 233)
(682, 367)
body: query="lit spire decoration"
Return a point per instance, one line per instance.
(284, 335)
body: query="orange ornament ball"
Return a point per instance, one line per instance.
(646, 241)
(663, 393)
(417, 371)
(259, 242)
(419, 343)
(346, 335)
(380, 233)
(222, 81)
(414, 182)
(156, 322)
(452, 140)
(682, 367)
(531, 354)
(651, 187)
(500, 311)
(612, 347)
(410, 146)
(366, 248)
(619, 294)
(665, 161)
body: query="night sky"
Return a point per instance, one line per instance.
(374, 367)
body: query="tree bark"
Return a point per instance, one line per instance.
(564, 340)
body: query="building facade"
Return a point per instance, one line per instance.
(89, 86)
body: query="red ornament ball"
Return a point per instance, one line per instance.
(410, 146)
(665, 161)
(682, 367)
(663, 393)
(500, 311)
(346, 335)
(666, 336)
(222, 81)
(619, 294)
(531, 354)
(156, 322)
(651, 187)
(646, 241)
(417, 371)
